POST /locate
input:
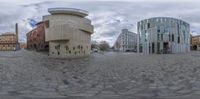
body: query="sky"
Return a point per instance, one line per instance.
(107, 16)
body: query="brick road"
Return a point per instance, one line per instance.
(25, 74)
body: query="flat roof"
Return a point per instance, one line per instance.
(73, 11)
(165, 18)
(7, 34)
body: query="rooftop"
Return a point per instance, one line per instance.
(73, 11)
(165, 18)
(6, 34)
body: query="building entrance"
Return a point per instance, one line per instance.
(195, 47)
(165, 48)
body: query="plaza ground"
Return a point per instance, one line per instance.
(109, 75)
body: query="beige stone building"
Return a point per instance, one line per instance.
(68, 32)
(8, 42)
(195, 42)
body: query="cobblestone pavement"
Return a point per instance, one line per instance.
(30, 75)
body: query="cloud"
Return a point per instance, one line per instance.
(108, 18)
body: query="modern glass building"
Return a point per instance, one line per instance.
(163, 35)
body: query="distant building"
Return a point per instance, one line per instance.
(195, 42)
(9, 41)
(163, 35)
(36, 38)
(23, 45)
(68, 32)
(126, 41)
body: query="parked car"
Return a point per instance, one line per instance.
(95, 50)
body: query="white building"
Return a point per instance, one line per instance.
(163, 35)
(68, 32)
(126, 41)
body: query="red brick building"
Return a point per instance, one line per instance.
(36, 38)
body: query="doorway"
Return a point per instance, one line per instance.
(153, 48)
(195, 47)
(165, 48)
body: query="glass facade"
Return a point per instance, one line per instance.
(165, 34)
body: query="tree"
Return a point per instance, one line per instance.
(94, 45)
(104, 46)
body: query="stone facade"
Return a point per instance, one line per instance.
(126, 41)
(8, 42)
(36, 38)
(68, 32)
(163, 35)
(195, 42)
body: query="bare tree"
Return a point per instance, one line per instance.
(94, 45)
(104, 46)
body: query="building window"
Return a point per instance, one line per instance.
(81, 47)
(47, 24)
(169, 37)
(172, 37)
(161, 37)
(70, 52)
(166, 30)
(78, 46)
(57, 47)
(178, 39)
(66, 47)
(158, 29)
(158, 47)
(148, 25)
(153, 47)
(178, 29)
(73, 48)
(149, 47)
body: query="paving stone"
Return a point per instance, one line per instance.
(108, 74)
